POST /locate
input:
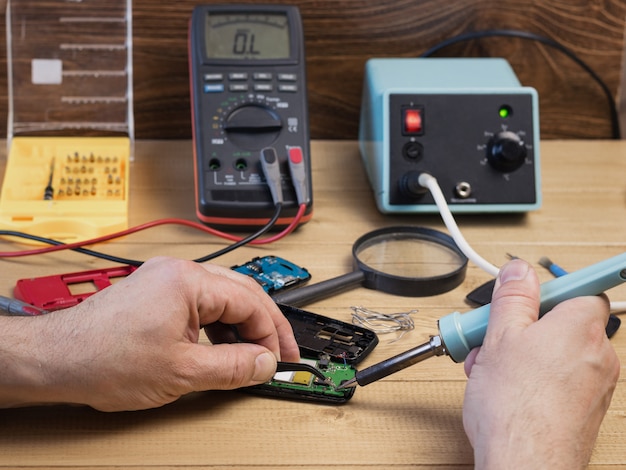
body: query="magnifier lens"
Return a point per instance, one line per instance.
(408, 261)
(409, 255)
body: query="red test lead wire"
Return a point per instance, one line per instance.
(69, 246)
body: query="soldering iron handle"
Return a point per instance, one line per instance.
(463, 332)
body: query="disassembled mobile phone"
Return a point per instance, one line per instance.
(274, 273)
(303, 385)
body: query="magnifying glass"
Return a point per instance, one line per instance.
(406, 261)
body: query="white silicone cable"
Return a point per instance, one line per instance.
(430, 182)
(618, 306)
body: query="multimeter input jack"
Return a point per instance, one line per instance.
(241, 164)
(214, 164)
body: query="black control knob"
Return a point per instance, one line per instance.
(506, 151)
(253, 127)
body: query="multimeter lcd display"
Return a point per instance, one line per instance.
(247, 36)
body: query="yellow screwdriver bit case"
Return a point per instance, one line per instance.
(70, 127)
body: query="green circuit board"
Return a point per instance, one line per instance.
(306, 386)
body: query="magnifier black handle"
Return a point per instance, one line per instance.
(308, 294)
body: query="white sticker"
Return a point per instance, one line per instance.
(47, 71)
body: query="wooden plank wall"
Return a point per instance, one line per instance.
(342, 34)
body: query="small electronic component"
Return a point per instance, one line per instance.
(307, 386)
(297, 376)
(77, 176)
(273, 273)
(90, 176)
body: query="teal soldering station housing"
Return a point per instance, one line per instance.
(468, 122)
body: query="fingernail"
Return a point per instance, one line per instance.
(515, 270)
(264, 367)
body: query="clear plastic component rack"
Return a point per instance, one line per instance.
(70, 126)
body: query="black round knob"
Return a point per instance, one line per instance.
(253, 127)
(506, 151)
(413, 151)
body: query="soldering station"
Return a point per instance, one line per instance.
(448, 136)
(467, 122)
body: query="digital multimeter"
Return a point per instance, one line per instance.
(248, 93)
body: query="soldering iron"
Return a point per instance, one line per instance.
(460, 333)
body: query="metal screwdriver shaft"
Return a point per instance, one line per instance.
(48, 192)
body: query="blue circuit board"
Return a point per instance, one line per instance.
(273, 273)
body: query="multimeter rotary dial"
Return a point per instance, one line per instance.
(506, 151)
(252, 126)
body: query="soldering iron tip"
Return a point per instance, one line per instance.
(347, 384)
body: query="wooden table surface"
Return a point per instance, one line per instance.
(409, 420)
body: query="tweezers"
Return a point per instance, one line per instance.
(300, 367)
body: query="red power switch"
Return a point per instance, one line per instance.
(412, 121)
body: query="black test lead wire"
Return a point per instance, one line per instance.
(133, 262)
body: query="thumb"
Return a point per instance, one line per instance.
(470, 360)
(515, 301)
(229, 366)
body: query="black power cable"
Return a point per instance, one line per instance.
(614, 115)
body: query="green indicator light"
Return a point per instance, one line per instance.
(504, 112)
